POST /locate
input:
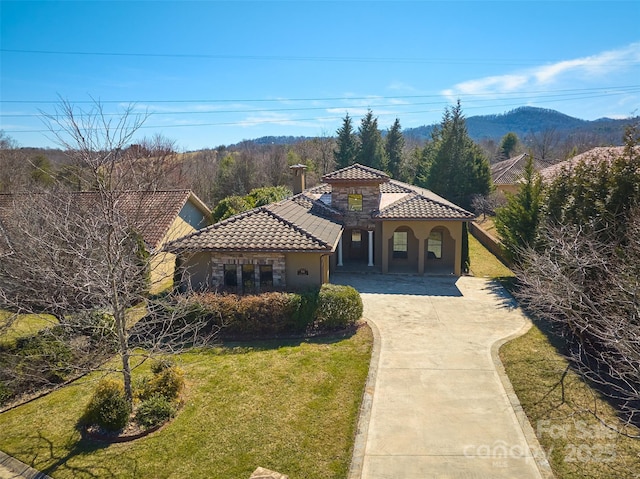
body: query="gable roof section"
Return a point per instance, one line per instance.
(417, 206)
(290, 225)
(511, 171)
(356, 173)
(153, 212)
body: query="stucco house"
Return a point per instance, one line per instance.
(158, 216)
(357, 219)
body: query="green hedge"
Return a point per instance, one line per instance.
(277, 314)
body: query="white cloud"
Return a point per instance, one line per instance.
(604, 63)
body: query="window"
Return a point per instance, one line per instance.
(230, 276)
(400, 244)
(356, 238)
(266, 275)
(434, 245)
(355, 202)
(248, 278)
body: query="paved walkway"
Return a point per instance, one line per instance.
(439, 408)
(11, 468)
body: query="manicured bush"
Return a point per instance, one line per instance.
(108, 407)
(167, 381)
(264, 315)
(155, 410)
(338, 307)
(273, 314)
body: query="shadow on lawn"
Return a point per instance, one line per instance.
(60, 459)
(266, 344)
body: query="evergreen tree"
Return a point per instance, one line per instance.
(394, 146)
(371, 152)
(517, 221)
(347, 144)
(457, 168)
(508, 146)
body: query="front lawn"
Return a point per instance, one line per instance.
(285, 405)
(21, 326)
(576, 443)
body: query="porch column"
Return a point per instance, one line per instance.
(340, 251)
(370, 247)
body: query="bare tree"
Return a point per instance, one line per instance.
(13, 165)
(590, 288)
(487, 204)
(78, 254)
(544, 144)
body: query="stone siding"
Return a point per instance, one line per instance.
(370, 202)
(276, 260)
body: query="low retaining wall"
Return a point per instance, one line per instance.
(489, 241)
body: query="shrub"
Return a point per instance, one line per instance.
(338, 307)
(108, 407)
(155, 410)
(167, 381)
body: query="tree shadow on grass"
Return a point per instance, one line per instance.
(60, 459)
(266, 344)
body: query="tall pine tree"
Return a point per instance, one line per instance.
(371, 152)
(457, 168)
(347, 144)
(394, 146)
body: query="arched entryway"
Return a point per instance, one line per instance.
(403, 251)
(440, 252)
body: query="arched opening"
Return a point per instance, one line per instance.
(440, 252)
(403, 251)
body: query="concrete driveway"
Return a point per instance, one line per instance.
(437, 405)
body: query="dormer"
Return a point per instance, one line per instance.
(355, 190)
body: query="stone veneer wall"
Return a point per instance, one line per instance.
(276, 260)
(370, 201)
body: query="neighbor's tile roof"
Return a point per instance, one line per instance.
(595, 155)
(356, 172)
(151, 212)
(511, 171)
(291, 225)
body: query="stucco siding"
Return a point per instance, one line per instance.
(305, 270)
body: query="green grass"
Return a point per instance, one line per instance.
(488, 224)
(22, 325)
(287, 406)
(484, 264)
(576, 443)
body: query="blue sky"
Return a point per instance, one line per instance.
(209, 73)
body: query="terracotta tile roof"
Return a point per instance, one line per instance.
(151, 212)
(394, 186)
(511, 171)
(595, 155)
(291, 225)
(421, 206)
(358, 173)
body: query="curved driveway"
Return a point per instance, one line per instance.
(437, 407)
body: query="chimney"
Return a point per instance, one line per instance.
(298, 178)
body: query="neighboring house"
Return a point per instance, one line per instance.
(506, 175)
(357, 219)
(158, 216)
(595, 155)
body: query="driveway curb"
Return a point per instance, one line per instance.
(364, 416)
(530, 436)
